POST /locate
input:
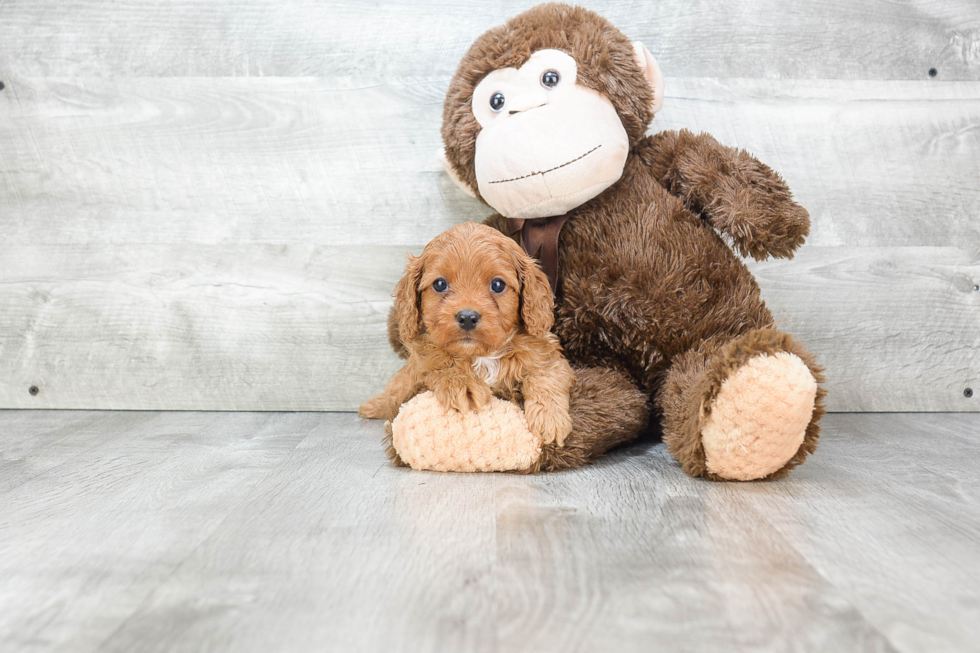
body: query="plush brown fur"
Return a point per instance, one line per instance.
(648, 290)
(607, 409)
(522, 359)
(733, 191)
(695, 379)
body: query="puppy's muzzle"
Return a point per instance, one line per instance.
(467, 319)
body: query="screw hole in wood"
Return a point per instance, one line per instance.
(34, 390)
(933, 72)
(1, 86)
(968, 393)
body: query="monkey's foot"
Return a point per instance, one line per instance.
(758, 419)
(425, 435)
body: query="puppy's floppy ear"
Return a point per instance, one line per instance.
(407, 300)
(537, 304)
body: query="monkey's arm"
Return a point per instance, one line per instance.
(731, 189)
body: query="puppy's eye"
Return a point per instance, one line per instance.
(497, 286)
(550, 79)
(440, 285)
(497, 101)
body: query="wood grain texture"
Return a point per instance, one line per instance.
(897, 328)
(35, 443)
(911, 480)
(204, 205)
(224, 247)
(244, 532)
(267, 327)
(823, 39)
(303, 327)
(111, 523)
(341, 161)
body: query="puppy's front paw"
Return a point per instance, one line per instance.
(462, 396)
(452, 396)
(550, 423)
(479, 395)
(378, 407)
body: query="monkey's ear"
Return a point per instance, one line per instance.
(651, 72)
(407, 300)
(463, 186)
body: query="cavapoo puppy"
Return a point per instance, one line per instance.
(474, 315)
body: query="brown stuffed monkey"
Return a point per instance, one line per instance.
(545, 122)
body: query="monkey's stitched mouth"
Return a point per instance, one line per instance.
(542, 172)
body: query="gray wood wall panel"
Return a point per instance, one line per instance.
(301, 327)
(240, 327)
(180, 234)
(299, 160)
(898, 328)
(820, 39)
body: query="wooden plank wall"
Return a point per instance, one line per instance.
(204, 204)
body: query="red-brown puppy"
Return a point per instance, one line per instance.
(475, 315)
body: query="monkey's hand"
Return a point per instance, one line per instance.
(735, 192)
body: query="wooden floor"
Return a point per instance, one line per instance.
(290, 532)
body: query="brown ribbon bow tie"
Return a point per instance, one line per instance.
(539, 238)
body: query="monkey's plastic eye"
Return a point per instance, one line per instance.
(497, 286)
(440, 285)
(550, 79)
(497, 101)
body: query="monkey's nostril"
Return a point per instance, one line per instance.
(467, 319)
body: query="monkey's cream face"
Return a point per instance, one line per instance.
(546, 144)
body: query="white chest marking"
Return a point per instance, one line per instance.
(488, 367)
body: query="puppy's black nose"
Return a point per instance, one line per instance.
(467, 319)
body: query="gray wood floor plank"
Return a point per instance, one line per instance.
(32, 445)
(891, 519)
(762, 38)
(273, 532)
(90, 539)
(631, 555)
(362, 556)
(943, 447)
